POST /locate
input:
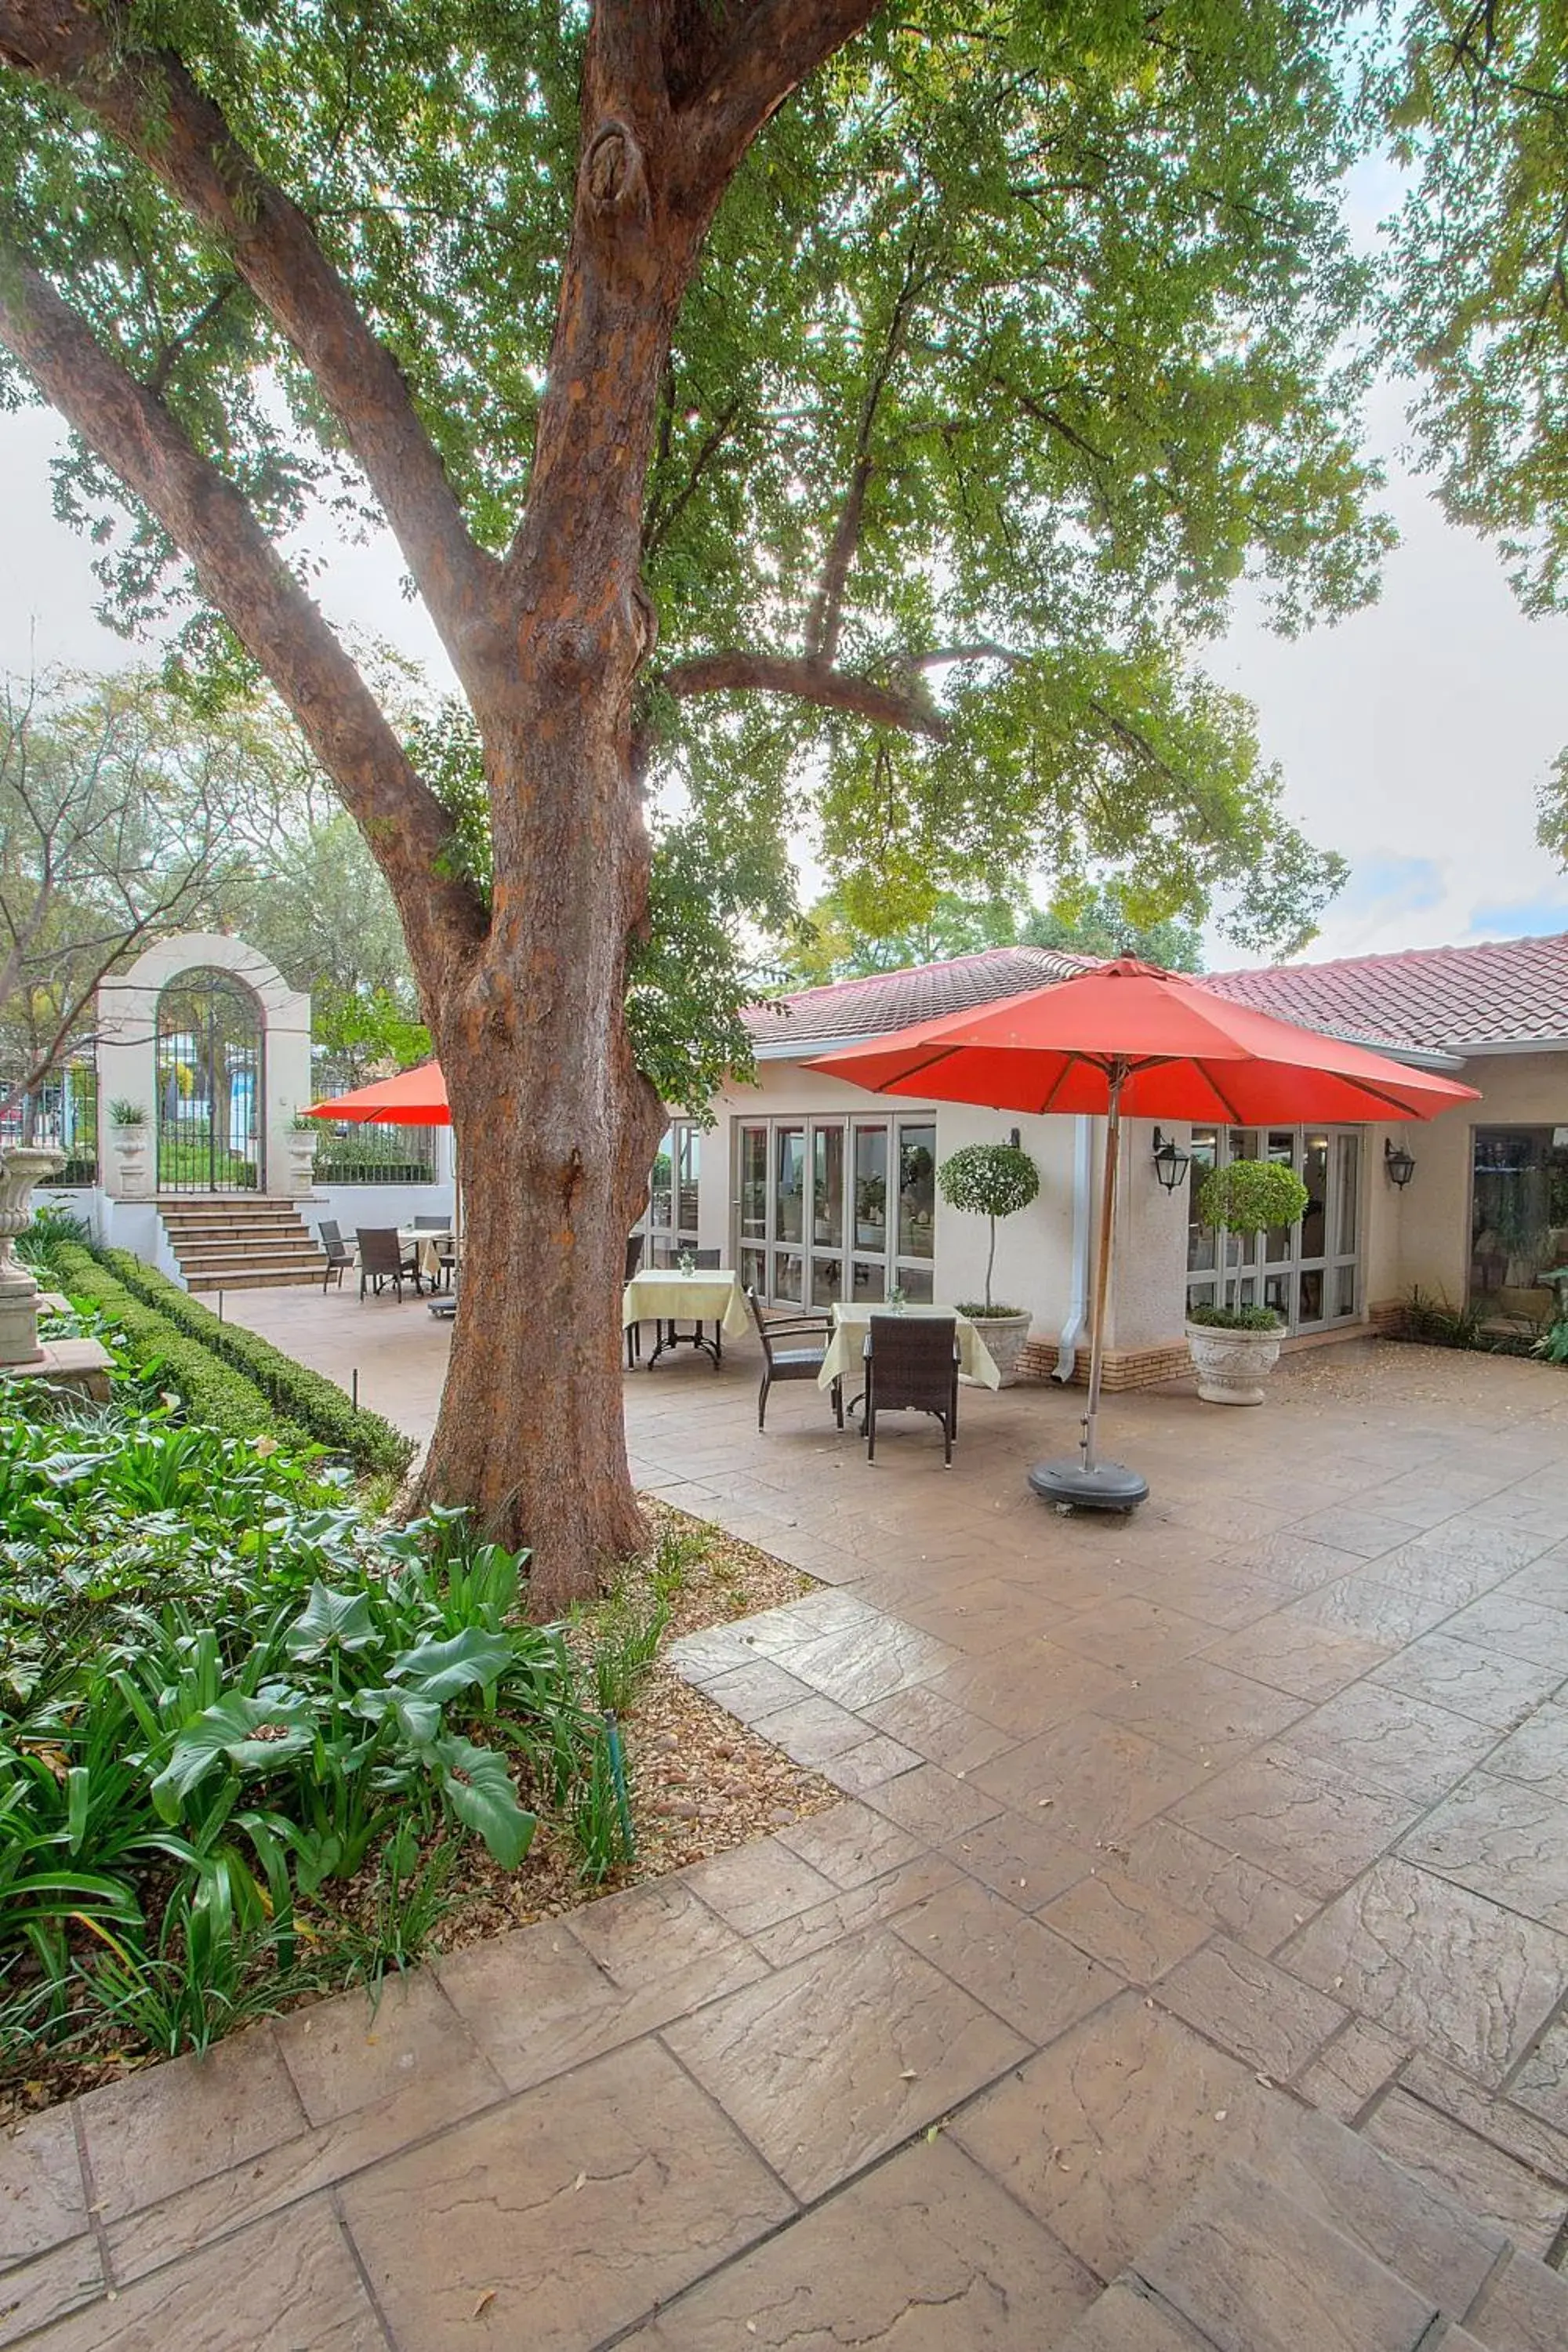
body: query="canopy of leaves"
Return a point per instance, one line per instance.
(1111, 920)
(989, 1179)
(1016, 345)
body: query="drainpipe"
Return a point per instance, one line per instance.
(1078, 1304)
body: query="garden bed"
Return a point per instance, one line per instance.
(255, 1746)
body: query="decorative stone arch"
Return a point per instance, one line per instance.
(128, 1050)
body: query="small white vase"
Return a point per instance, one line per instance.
(1231, 1366)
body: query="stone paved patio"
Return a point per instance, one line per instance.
(1170, 1850)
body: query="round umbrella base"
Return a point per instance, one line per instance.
(1109, 1486)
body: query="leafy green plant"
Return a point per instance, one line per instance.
(1249, 1196)
(1552, 1347)
(990, 1180)
(625, 1648)
(1437, 1322)
(1235, 1318)
(124, 1113)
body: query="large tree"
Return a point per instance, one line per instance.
(775, 395)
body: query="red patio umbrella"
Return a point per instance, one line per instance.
(413, 1098)
(1126, 1038)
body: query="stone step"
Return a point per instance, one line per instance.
(249, 1277)
(283, 1245)
(1319, 2240)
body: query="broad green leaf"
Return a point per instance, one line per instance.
(479, 1790)
(438, 1670)
(254, 1735)
(417, 1718)
(330, 1620)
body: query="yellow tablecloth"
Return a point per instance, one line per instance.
(662, 1294)
(427, 1247)
(845, 1350)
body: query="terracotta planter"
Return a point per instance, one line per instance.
(1004, 1336)
(1231, 1366)
(20, 1170)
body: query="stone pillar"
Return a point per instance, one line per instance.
(20, 1170)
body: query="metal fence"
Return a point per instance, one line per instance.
(61, 1115)
(376, 1155)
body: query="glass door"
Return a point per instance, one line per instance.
(812, 1214)
(1309, 1273)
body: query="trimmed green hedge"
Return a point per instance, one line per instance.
(317, 1405)
(213, 1393)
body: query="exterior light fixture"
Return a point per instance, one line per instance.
(1171, 1162)
(1397, 1166)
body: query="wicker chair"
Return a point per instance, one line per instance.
(340, 1257)
(793, 1360)
(635, 1245)
(383, 1258)
(911, 1366)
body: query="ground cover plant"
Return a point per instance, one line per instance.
(256, 1743)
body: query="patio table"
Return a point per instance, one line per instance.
(663, 1296)
(426, 1246)
(852, 1322)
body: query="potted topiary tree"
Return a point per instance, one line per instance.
(1234, 1346)
(993, 1179)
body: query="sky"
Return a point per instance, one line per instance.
(1414, 738)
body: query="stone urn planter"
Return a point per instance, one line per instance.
(1004, 1337)
(129, 1133)
(302, 1145)
(1231, 1366)
(20, 1168)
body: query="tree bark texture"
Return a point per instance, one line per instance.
(555, 1128)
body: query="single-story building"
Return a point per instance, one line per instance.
(817, 1190)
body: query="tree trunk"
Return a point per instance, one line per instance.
(556, 1132)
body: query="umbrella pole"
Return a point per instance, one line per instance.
(1103, 1269)
(1085, 1482)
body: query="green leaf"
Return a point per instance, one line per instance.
(479, 1791)
(417, 1718)
(331, 1619)
(438, 1670)
(254, 1735)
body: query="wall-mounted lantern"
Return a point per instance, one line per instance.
(1398, 1165)
(1171, 1162)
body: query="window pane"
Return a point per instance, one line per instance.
(826, 1284)
(1201, 1294)
(915, 1283)
(1347, 1194)
(1277, 1240)
(1276, 1294)
(1314, 1217)
(660, 1195)
(1345, 1290)
(786, 1276)
(828, 1185)
(1200, 1237)
(789, 1159)
(1311, 1307)
(687, 1162)
(754, 1182)
(871, 1280)
(871, 1188)
(754, 1274)
(917, 1192)
(1518, 1209)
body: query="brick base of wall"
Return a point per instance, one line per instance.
(1125, 1368)
(1387, 1318)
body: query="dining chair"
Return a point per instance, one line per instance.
(385, 1258)
(339, 1255)
(911, 1366)
(793, 1361)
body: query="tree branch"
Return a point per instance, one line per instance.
(151, 104)
(240, 571)
(770, 49)
(829, 689)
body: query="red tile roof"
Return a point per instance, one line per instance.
(881, 1001)
(1507, 992)
(1442, 999)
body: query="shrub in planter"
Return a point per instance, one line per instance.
(1232, 1348)
(992, 1181)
